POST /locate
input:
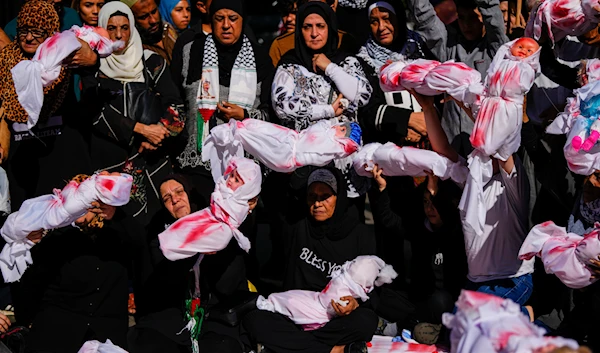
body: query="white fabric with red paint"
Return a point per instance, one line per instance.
(407, 161)
(55, 211)
(99, 347)
(384, 344)
(399, 75)
(211, 229)
(563, 254)
(31, 76)
(277, 147)
(312, 310)
(563, 18)
(100, 43)
(486, 323)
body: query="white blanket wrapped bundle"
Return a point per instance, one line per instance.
(399, 76)
(99, 347)
(563, 18)
(279, 148)
(99, 43)
(211, 229)
(31, 76)
(55, 211)
(312, 310)
(486, 323)
(407, 161)
(563, 254)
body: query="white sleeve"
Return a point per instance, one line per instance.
(351, 81)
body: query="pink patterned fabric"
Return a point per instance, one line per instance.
(312, 310)
(486, 323)
(407, 161)
(55, 211)
(211, 229)
(279, 148)
(563, 254)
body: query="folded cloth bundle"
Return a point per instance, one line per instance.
(31, 76)
(564, 254)
(312, 310)
(211, 229)
(55, 211)
(279, 148)
(486, 323)
(407, 161)
(99, 347)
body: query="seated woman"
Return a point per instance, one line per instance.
(55, 149)
(176, 12)
(136, 109)
(222, 76)
(391, 116)
(78, 283)
(317, 243)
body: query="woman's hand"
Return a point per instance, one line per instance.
(594, 267)
(412, 136)
(320, 61)
(417, 123)
(378, 176)
(469, 112)
(36, 236)
(154, 133)
(432, 183)
(231, 111)
(85, 56)
(345, 310)
(4, 323)
(337, 105)
(426, 102)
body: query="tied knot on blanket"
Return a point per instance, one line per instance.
(211, 229)
(562, 18)
(99, 347)
(58, 210)
(312, 310)
(279, 148)
(407, 161)
(31, 76)
(567, 255)
(487, 323)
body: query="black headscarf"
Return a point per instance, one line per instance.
(187, 187)
(302, 55)
(344, 219)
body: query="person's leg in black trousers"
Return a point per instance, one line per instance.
(279, 334)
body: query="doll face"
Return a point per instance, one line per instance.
(524, 48)
(234, 181)
(340, 130)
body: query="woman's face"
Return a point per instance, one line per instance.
(181, 15)
(315, 31)
(383, 24)
(227, 26)
(430, 211)
(88, 11)
(118, 29)
(30, 39)
(321, 201)
(175, 199)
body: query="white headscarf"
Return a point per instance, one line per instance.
(128, 65)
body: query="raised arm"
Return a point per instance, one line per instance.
(430, 27)
(493, 21)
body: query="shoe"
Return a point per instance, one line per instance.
(426, 333)
(356, 347)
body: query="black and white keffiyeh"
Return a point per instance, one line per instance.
(376, 55)
(355, 4)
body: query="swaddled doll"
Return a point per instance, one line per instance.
(99, 347)
(211, 229)
(58, 210)
(407, 161)
(487, 323)
(31, 76)
(565, 254)
(279, 148)
(312, 310)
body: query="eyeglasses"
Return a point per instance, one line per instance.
(35, 33)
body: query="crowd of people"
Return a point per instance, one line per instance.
(163, 113)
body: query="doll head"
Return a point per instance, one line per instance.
(524, 47)
(348, 130)
(234, 181)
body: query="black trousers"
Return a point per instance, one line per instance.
(279, 334)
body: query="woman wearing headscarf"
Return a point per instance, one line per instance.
(177, 12)
(319, 238)
(392, 116)
(223, 76)
(135, 112)
(55, 148)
